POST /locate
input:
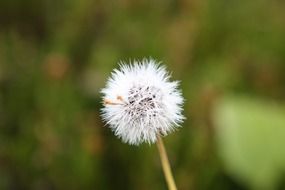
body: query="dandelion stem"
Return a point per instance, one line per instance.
(165, 165)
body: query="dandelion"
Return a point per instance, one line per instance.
(141, 104)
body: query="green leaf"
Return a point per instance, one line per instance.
(251, 137)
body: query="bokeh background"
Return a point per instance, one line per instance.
(56, 55)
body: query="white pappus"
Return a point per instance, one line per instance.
(140, 102)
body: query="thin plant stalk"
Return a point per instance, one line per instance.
(165, 165)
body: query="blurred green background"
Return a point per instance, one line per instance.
(56, 55)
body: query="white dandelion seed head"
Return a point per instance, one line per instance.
(140, 102)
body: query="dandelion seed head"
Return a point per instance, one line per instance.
(140, 102)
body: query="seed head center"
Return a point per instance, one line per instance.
(143, 101)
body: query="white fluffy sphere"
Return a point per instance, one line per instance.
(141, 103)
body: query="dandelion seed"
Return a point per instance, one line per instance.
(141, 103)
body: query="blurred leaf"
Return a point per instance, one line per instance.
(251, 136)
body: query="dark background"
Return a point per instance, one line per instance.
(55, 56)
